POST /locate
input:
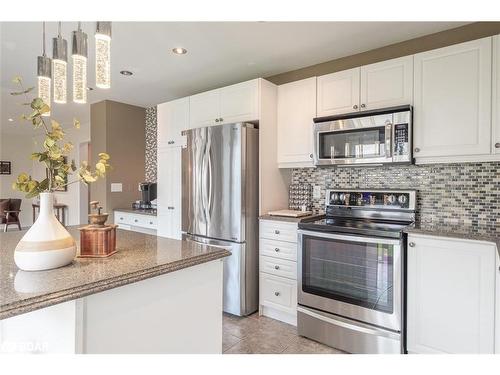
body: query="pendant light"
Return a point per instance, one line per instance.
(79, 56)
(44, 73)
(60, 67)
(103, 55)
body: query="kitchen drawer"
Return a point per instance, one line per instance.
(278, 292)
(122, 218)
(278, 267)
(278, 249)
(276, 230)
(138, 220)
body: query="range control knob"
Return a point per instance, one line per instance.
(391, 199)
(342, 197)
(334, 197)
(402, 199)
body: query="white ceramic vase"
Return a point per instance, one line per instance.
(47, 244)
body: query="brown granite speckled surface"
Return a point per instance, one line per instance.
(291, 219)
(140, 256)
(451, 231)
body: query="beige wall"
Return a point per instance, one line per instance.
(444, 38)
(119, 130)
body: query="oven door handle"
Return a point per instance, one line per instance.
(350, 238)
(355, 327)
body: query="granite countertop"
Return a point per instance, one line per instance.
(140, 256)
(454, 231)
(132, 211)
(291, 219)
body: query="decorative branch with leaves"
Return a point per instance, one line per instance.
(54, 153)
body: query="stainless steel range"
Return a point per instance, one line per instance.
(350, 279)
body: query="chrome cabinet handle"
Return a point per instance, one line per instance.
(363, 105)
(411, 244)
(150, 223)
(276, 267)
(276, 294)
(121, 218)
(497, 145)
(170, 142)
(277, 249)
(355, 106)
(221, 119)
(276, 232)
(417, 149)
(311, 156)
(136, 220)
(170, 208)
(216, 120)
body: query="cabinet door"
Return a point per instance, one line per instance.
(387, 83)
(239, 103)
(172, 119)
(451, 296)
(296, 111)
(169, 192)
(452, 111)
(204, 109)
(496, 95)
(338, 93)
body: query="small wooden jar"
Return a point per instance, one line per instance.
(97, 241)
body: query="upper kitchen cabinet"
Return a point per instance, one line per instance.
(296, 111)
(172, 119)
(496, 95)
(338, 93)
(387, 83)
(235, 103)
(452, 102)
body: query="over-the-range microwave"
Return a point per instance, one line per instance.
(380, 136)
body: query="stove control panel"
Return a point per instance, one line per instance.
(390, 199)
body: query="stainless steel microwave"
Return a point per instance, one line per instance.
(370, 137)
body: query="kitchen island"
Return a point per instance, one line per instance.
(155, 295)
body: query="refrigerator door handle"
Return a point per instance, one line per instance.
(209, 242)
(210, 181)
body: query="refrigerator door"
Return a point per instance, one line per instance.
(235, 298)
(213, 176)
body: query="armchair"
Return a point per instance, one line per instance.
(9, 212)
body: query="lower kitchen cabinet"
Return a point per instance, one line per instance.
(451, 295)
(137, 222)
(278, 270)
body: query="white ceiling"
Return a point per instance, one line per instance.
(219, 53)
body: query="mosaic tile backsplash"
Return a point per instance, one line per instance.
(151, 157)
(447, 194)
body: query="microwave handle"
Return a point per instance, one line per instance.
(388, 140)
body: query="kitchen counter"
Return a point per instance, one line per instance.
(291, 219)
(139, 257)
(452, 231)
(132, 211)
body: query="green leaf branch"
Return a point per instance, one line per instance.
(55, 153)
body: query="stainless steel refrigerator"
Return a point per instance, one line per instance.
(220, 195)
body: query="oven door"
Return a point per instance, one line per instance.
(354, 141)
(351, 276)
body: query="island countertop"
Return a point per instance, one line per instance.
(139, 257)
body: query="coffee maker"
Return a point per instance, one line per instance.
(148, 194)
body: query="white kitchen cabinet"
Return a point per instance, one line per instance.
(169, 192)
(387, 83)
(496, 95)
(172, 119)
(135, 221)
(452, 102)
(235, 103)
(338, 93)
(296, 111)
(278, 270)
(451, 295)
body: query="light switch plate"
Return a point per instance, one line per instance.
(316, 192)
(116, 187)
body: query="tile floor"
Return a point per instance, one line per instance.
(261, 335)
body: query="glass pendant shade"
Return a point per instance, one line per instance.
(103, 55)
(60, 69)
(79, 57)
(44, 80)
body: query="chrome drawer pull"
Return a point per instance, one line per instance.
(411, 244)
(276, 267)
(276, 232)
(277, 249)
(276, 294)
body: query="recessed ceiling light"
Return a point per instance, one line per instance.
(11, 120)
(179, 51)
(126, 72)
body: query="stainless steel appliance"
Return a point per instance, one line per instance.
(351, 271)
(220, 204)
(369, 137)
(148, 194)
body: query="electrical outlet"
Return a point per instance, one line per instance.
(316, 192)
